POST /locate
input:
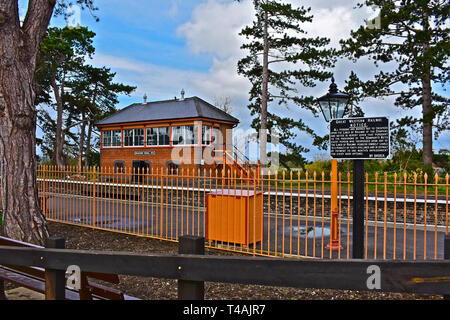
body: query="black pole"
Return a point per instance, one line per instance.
(358, 209)
(447, 255)
(187, 289)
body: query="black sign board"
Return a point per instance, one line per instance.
(360, 138)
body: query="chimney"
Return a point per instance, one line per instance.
(145, 98)
(182, 94)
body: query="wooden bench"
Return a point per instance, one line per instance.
(34, 278)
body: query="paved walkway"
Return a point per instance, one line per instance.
(282, 234)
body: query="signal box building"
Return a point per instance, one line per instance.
(172, 134)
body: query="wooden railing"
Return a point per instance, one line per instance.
(192, 268)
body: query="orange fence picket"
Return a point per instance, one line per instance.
(287, 214)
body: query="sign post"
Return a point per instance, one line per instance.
(359, 139)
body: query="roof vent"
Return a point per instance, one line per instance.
(145, 98)
(182, 94)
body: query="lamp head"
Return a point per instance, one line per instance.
(334, 103)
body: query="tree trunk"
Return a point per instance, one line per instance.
(88, 144)
(59, 140)
(264, 97)
(427, 118)
(92, 115)
(427, 122)
(19, 46)
(81, 143)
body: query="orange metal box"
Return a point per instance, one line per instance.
(234, 216)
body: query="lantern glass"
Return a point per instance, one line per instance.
(325, 107)
(333, 104)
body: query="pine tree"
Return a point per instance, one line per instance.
(93, 96)
(279, 42)
(63, 53)
(414, 36)
(19, 49)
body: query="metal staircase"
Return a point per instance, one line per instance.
(240, 163)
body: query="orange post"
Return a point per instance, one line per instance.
(43, 194)
(314, 215)
(94, 213)
(436, 181)
(376, 217)
(395, 215)
(446, 206)
(306, 212)
(334, 242)
(425, 178)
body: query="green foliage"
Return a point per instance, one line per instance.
(62, 6)
(305, 62)
(414, 40)
(442, 159)
(319, 166)
(87, 93)
(93, 158)
(405, 159)
(414, 165)
(290, 160)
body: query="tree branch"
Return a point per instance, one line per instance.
(35, 24)
(278, 60)
(76, 124)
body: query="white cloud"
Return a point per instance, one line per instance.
(118, 63)
(160, 83)
(334, 23)
(223, 80)
(156, 81)
(214, 27)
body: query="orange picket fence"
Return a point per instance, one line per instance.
(284, 214)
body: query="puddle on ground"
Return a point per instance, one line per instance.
(310, 232)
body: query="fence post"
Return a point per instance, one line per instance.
(447, 255)
(55, 280)
(94, 199)
(43, 192)
(187, 289)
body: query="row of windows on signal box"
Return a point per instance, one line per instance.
(160, 136)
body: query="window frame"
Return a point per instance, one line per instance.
(111, 138)
(133, 137)
(158, 136)
(210, 129)
(184, 135)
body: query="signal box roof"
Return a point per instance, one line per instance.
(187, 108)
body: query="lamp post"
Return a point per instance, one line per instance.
(333, 106)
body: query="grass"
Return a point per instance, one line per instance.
(374, 183)
(413, 184)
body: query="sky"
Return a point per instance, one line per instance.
(164, 46)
